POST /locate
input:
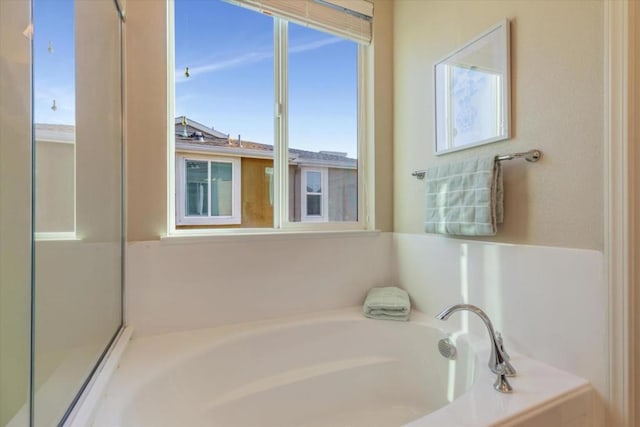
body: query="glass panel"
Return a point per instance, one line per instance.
(323, 133)
(314, 205)
(15, 212)
(54, 115)
(78, 189)
(221, 189)
(224, 99)
(197, 199)
(314, 182)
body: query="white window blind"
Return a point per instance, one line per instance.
(350, 19)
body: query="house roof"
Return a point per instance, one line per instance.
(195, 137)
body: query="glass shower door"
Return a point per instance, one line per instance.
(77, 110)
(15, 211)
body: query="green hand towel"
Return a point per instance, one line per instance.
(465, 198)
(388, 303)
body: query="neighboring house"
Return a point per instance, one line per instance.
(222, 181)
(54, 178)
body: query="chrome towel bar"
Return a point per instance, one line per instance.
(530, 156)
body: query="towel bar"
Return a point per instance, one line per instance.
(530, 156)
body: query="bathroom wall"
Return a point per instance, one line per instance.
(15, 209)
(541, 278)
(557, 106)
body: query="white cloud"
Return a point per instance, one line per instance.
(314, 45)
(251, 58)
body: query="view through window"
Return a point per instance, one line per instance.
(225, 108)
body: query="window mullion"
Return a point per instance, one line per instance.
(281, 144)
(209, 189)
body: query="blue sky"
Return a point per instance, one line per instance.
(54, 72)
(229, 52)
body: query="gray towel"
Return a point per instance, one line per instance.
(465, 198)
(390, 303)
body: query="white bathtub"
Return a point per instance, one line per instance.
(328, 369)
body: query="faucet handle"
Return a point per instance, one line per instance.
(500, 343)
(509, 370)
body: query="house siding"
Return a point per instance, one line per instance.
(343, 194)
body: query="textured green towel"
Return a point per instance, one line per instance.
(390, 303)
(464, 198)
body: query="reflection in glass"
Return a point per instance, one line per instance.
(15, 212)
(313, 182)
(221, 189)
(78, 197)
(197, 192)
(314, 205)
(54, 111)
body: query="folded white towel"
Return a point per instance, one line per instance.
(465, 198)
(388, 303)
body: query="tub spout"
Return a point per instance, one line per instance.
(499, 359)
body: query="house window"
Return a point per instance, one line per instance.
(301, 161)
(314, 201)
(209, 191)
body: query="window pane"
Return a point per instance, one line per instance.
(323, 123)
(221, 189)
(314, 205)
(224, 103)
(196, 192)
(314, 182)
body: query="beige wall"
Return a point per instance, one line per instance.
(557, 106)
(382, 108)
(15, 207)
(146, 105)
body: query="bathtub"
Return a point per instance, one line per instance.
(329, 369)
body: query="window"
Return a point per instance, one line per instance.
(314, 200)
(301, 161)
(209, 190)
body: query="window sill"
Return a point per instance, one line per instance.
(55, 236)
(201, 236)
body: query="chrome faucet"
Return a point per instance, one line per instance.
(499, 359)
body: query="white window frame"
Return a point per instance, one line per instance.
(236, 192)
(324, 195)
(366, 177)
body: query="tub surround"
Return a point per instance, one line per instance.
(181, 285)
(549, 303)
